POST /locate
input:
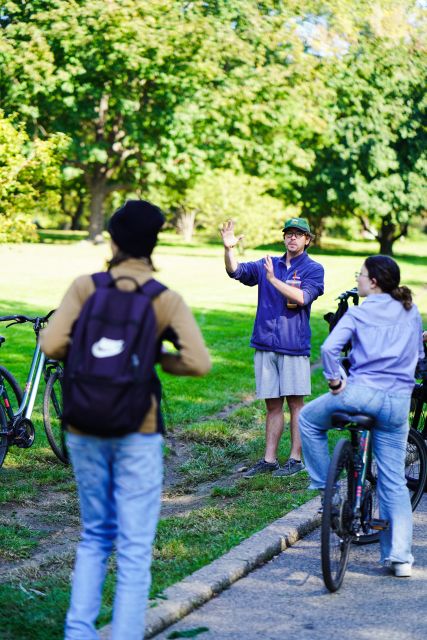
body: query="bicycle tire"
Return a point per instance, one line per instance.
(52, 416)
(12, 385)
(14, 394)
(418, 412)
(416, 478)
(416, 466)
(3, 438)
(337, 519)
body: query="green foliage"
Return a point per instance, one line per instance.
(29, 179)
(374, 165)
(319, 104)
(222, 195)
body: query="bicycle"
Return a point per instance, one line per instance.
(418, 413)
(16, 427)
(415, 444)
(350, 499)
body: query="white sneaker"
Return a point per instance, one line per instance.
(401, 569)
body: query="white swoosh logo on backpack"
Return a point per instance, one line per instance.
(106, 348)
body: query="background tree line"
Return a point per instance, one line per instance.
(215, 109)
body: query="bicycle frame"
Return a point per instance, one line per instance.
(32, 384)
(361, 444)
(37, 367)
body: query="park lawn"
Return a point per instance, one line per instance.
(34, 278)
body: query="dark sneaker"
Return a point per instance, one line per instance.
(290, 467)
(261, 467)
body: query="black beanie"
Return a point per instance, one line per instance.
(134, 227)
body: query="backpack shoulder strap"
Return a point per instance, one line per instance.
(102, 279)
(152, 288)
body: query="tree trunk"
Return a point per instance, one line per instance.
(98, 192)
(386, 236)
(76, 216)
(185, 224)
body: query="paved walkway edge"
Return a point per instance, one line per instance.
(199, 587)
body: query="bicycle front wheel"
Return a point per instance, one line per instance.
(418, 412)
(416, 466)
(337, 519)
(52, 416)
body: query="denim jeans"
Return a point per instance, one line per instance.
(389, 436)
(119, 484)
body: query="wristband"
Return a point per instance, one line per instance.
(335, 387)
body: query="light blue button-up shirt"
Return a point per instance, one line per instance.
(386, 344)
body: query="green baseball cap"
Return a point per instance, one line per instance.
(297, 223)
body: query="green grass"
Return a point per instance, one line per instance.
(180, 549)
(34, 279)
(17, 541)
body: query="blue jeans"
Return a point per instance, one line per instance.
(119, 483)
(389, 436)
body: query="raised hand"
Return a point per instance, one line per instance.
(268, 265)
(227, 234)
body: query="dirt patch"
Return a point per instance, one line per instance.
(54, 517)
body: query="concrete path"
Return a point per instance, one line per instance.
(286, 598)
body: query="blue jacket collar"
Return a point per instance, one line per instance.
(295, 261)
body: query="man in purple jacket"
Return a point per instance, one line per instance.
(281, 335)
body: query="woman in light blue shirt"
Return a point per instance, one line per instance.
(386, 336)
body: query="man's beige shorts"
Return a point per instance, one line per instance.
(278, 375)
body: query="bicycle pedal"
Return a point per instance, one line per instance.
(378, 525)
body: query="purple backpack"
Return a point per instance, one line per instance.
(109, 374)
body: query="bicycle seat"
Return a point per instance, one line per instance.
(344, 420)
(2, 339)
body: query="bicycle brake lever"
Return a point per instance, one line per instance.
(15, 322)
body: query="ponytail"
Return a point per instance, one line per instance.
(386, 273)
(403, 295)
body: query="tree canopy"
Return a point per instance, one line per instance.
(322, 104)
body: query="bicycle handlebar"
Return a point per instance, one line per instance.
(350, 293)
(21, 319)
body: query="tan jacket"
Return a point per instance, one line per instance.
(170, 310)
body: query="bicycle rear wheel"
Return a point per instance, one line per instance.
(416, 478)
(52, 416)
(14, 396)
(416, 466)
(3, 436)
(337, 520)
(13, 389)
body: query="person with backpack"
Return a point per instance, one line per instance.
(109, 329)
(386, 343)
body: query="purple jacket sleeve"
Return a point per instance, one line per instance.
(331, 348)
(247, 273)
(314, 285)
